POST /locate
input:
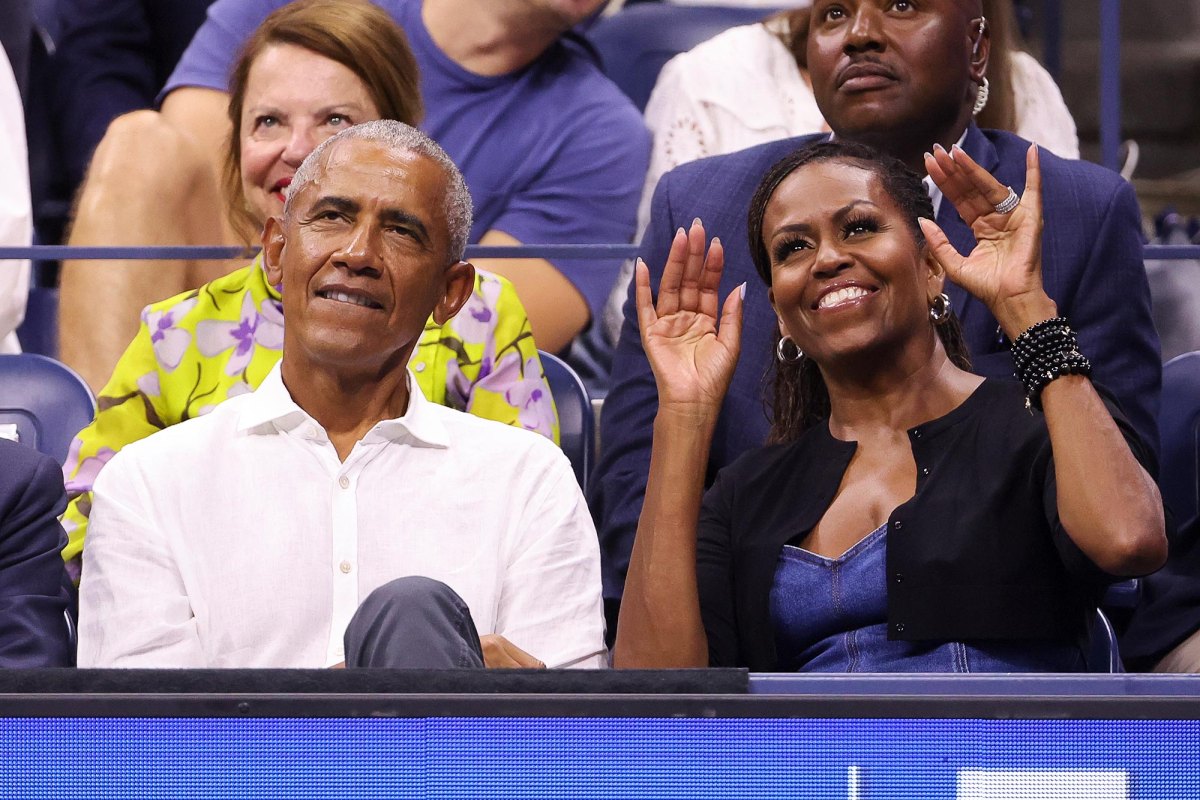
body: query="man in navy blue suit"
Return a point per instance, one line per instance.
(33, 593)
(900, 77)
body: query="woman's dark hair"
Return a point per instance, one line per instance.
(1000, 112)
(357, 34)
(799, 398)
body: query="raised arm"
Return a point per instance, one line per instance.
(1107, 503)
(693, 361)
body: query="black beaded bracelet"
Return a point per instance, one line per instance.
(1046, 351)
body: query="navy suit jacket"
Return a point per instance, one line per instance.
(113, 57)
(33, 579)
(1091, 265)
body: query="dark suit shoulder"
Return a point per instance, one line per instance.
(741, 166)
(1083, 179)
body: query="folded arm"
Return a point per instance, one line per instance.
(133, 606)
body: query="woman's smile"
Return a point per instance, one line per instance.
(842, 295)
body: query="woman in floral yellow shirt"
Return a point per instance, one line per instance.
(300, 79)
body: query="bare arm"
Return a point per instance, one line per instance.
(1107, 503)
(557, 311)
(693, 361)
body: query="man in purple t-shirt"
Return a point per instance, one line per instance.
(551, 149)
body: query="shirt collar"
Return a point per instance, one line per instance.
(270, 408)
(935, 194)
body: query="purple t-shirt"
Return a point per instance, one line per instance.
(553, 153)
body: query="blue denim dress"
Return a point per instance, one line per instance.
(830, 615)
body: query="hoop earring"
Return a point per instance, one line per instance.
(981, 97)
(781, 351)
(939, 309)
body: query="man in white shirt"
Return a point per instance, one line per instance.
(250, 537)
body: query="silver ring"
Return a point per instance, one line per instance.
(1009, 203)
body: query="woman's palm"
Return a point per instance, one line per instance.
(692, 354)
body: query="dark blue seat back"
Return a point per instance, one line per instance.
(38, 332)
(1101, 653)
(576, 423)
(1179, 436)
(46, 402)
(635, 42)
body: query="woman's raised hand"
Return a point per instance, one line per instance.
(691, 354)
(1005, 268)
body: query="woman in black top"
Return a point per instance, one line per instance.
(993, 511)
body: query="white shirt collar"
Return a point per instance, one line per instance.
(270, 409)
(935, 194)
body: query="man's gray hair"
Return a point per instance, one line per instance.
(404, 138)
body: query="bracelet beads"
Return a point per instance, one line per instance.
(1045, 351)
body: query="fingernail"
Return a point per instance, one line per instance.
(938, 147)
(742, 290)
(680, 232)
(696, 221)
(928, 154)
(715, 240)
(955, 150)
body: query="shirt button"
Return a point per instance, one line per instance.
(312, 431)
(899, 577)
(897, 524)
(419, 366)
(345, 567)
(898, 627)
(916, 433)
(344, 482)
(924, 470)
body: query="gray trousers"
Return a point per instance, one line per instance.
(413, 623)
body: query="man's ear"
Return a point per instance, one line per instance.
(981, 48)
(459, 283)
(273, 241)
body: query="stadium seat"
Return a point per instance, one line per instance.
(43, 403)
(1179, 436)
(1101, 653)
(635, 42)
(576, 423)
(38, 333)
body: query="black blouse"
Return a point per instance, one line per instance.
(977, 553)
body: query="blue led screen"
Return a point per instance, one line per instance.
(846, 759)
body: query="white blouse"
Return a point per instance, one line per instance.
(16, 216)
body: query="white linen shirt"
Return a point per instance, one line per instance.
(239, 539)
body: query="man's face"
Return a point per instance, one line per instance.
(897, 68)
(363, 257)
